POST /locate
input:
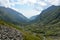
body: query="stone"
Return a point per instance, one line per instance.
(7, 33)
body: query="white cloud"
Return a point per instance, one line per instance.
(29, 2)
(33, 1)
(30, 13)
(22, 2)
(53, 2)
(42, 3)
(5, 3)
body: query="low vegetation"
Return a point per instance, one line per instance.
(26, 35)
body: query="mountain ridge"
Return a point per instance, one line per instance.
(12, 15)
(47, 12)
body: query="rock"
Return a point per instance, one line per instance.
(7, 33)
(0, 36)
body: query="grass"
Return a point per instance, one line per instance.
(26, 35)
(29, 35)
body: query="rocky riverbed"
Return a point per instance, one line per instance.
(8, 33)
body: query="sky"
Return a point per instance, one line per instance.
(29, 7)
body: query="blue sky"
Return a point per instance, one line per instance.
(29, 7)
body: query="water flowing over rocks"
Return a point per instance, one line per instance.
(7, 33)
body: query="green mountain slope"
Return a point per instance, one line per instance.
(12, 16)
(50, 14)
(47, 23)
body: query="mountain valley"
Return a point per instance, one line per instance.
(45, 26)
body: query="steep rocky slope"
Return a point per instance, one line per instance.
(8, 33)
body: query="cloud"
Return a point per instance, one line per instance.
(8, 3)
(42, 3)
(23, 2)
(32, 1)
(53, 2)
(5, 3)
(13, 0)
(38, 5)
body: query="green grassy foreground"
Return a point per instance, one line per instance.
(26, 35)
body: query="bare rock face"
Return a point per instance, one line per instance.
(7, 33)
